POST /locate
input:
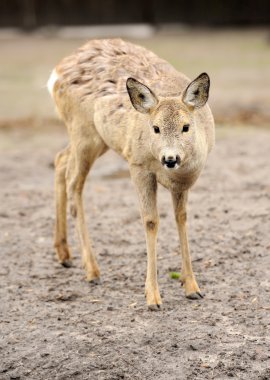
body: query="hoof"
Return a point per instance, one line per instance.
(194, 296)
(94, 281)
(155, 307)
(153, 298)
(66, 263)
(92, 273)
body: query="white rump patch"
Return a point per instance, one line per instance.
(51, 82)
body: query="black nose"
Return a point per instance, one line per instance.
(171, 161)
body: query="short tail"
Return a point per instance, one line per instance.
(51, 82)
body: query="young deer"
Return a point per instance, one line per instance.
(159, 122)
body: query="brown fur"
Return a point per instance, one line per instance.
(100, 105)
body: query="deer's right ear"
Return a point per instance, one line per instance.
(141, 97)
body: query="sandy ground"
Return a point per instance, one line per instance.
(54, 325)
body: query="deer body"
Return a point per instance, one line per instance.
(113, 94)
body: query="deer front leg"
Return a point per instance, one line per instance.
(146, 186)
(189, 282)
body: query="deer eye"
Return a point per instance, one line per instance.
(156, 129)
(185, 128)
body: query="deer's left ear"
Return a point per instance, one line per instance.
(142, 98)
(197, 92)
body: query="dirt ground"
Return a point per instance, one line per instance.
(54, 325)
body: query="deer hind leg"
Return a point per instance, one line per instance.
(80, 162)
(188, 279)
(60, 239)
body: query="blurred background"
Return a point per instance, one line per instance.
(228, 39)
